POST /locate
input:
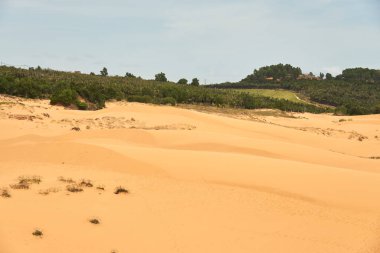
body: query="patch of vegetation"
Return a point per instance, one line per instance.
(350, 93)
(101, 188)
(168, 101)
(38, 233)
(94, 221)
(66, 180)
(279, 72)
(75, 129)
(74, 188)
(120, 190)
(24, 182)
(5, 193)
(19, 186)
(48, 191)
(86, 183)
(344, 120)
(29, 180)
(73, 89)
(64, 96)
(277, 94)
(355, 92)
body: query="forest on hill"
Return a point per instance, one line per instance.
(356, 91)
(90, 92)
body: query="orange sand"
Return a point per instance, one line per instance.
(198, 182)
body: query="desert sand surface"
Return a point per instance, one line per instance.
(197, 181)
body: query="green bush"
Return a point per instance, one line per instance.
(64, 97)
(168, 101)
(140, 99)
(82, 105)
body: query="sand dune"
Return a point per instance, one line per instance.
(197, 181)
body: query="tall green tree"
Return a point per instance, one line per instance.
(182, 81)
(274, 72)
(329, 76)
(195, 82)
(104, 72)
(161, 77)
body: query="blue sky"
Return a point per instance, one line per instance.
(213, 40)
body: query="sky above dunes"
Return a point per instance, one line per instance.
(213, 40)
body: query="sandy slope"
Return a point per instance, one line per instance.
(198, 182)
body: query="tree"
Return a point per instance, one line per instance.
(311, 74)
(182, 81)
(161, 77)
(130, 75)
(361, 74)
(64, 97)
(321, 75)
(92, 74)
(195, 82)
(274, 72)
(104, 72)
(329, 76)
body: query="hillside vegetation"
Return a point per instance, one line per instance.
(83, 91)
(354, 92)
(279, 94)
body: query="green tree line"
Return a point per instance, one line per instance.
(90, 91)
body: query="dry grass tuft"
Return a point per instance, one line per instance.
(38, 233)
(24, 182)
(29, 180)
(86, 183)
(74, 188)
(101, 188)
(66, 180)
(19, 186)
(48, 191)
(5, 193)
(120, 189)
(94, 221)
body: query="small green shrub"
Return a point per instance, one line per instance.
(168, 101)
(82, 105)
(140, 99)
(65, 97)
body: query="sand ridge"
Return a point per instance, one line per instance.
(198, 180)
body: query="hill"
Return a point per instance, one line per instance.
(355, 92)
(84, 91)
